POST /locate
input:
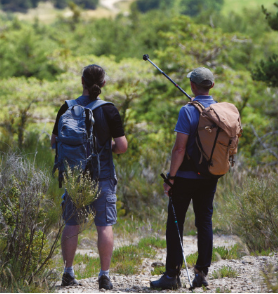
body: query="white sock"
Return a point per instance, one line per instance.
(103, 273)
(69, 270)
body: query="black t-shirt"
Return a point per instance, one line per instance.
(111, 113)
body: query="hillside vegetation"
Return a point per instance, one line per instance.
(41, 66)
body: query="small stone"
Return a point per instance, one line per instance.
(157, 264)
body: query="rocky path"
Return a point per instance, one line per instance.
(110, 4)
(247, 280)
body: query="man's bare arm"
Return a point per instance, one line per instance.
(178, 153)
(53, 139)
(119, 145)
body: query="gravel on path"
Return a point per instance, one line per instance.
(247, 280)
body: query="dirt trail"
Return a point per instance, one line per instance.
(248, 280)
(110, 4)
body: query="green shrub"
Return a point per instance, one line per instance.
(270, 274)
(224, 272)
(252, 213)
(217, 253)
(25, 252)
(158, 270)
(153, 242)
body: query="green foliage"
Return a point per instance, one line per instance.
(18, 5)
(43, 63)
(125, 260)
(261, 253)
(270, 275)
(153, 242)
(145, 5)
(222, 290)
(217, 253)
(272, 20)
(224, 272)
(23, 5)
(82, 191)
(26, 53)
(266, 71)
(24, 247)
(252, 213)
(193, 7)
(159, 270)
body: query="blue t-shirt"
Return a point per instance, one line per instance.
(187, 124)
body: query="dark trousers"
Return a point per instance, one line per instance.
(201, 191)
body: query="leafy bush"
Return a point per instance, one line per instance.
(25, 251)
(194, 7)
(266, 71)
(145, 5)
(252, 213)
(23, 5)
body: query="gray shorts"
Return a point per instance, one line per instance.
(104, 207)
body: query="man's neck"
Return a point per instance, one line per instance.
(201, 94)
(85, 92)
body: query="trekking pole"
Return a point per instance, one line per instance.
(146, 58)
(177, 225)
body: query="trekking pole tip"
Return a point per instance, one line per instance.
(145, 57)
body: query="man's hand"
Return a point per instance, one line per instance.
(167, 187)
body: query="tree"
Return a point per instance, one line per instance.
(145, 5)
(267, 71)
(194, 7)
(89, 4)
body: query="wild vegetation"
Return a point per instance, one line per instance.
(24, 5)
(40, 68)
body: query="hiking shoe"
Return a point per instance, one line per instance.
(166, 282)
(200, 279)
(105, 283)
(68, 280)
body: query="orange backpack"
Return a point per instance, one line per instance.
(216, 138)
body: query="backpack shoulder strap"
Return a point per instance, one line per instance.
(198, 105)
(71, 103)
(97, 103)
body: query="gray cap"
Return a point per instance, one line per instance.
(201, 76)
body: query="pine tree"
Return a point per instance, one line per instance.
(267, 70)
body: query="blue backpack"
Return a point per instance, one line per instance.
(76, 143)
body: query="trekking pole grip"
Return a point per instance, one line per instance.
(166, 180)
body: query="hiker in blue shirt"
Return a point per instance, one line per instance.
(189, 185)
(107, 125)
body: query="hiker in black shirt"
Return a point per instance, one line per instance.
(107, 125)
